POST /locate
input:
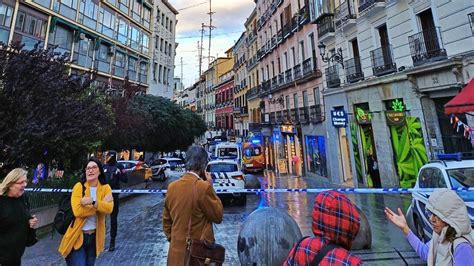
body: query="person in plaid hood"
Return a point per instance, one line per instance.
(336, 220)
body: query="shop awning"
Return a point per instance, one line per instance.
(463, 102)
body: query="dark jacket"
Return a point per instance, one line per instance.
(114, 173)
(335, 220)
(14, 226)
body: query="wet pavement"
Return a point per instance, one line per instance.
(141, 241)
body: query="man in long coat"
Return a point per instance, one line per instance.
(179, 206)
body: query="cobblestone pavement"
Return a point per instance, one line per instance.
(141, 240)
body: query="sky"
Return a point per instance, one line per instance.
(228, 20)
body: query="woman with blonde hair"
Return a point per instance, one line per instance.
(15, 219)
(84, 239)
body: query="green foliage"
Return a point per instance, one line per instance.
(367, 146)
(410, 152)
(355, 149)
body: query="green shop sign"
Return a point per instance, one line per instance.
(363, 117)
(395, 118)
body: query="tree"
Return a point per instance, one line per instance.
(45, 112)
(151, 123)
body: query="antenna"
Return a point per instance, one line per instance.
(181, 78)
(200, 49)
(210, 31)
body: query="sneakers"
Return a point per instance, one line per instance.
(112, 244)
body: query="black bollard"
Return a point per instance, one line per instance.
(266, 237)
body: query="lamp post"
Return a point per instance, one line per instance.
(336, 57)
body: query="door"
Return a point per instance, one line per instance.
(430, 36)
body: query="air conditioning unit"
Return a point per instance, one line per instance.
(111, 50)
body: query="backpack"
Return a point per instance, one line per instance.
(64, 216)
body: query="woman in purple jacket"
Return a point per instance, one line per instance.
(451, 243)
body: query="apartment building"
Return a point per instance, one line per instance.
(389, 68)
(163, 49)
(225, 100)
(253, 101)
(241, 114)
(110, 36)
(289, 86)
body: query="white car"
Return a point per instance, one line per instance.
(226, 174)
(163, 167)
(451, 171)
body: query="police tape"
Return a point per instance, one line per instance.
(270, 190)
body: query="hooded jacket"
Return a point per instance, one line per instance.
(451, 209)
(335, 220)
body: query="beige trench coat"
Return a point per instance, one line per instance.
(208, 209)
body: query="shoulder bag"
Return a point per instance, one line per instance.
(202, 252)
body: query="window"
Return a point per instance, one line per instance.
(295, 100)
(145, 43)
(123, 6)
(159, 73)
(119, 69)
(305, 99)
(122, 31)
(303, 56)
(424, 180)
(437, 179)
(30, 30)
(155, 66)
(317, 97)
(146, 17)
(158, 14)
(62, 37)
(88, 13)
(316, 155)
(45, 3)
(143, 71)
(287, 100)
(293, 54)
(135, 38)
(66, 8)
(171, 26)
(161, 45)
(83, 52)
(103, 58)
(132, 68)
(162, 19)
(106, 22)
(156, 42)
(166, 23)
(136, 10)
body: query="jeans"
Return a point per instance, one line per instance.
(85, 256)
(113, 216)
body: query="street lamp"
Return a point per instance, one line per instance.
(336, 57)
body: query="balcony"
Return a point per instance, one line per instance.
(279, 36)
(353, 70)
(382, 61)
(253, 93)
(286, 30)
(427, 46)
(274, 82)
(266, 85)
(316, 114)
(332, 76)
(274, 42)
(326, 27)
(309, 69)
(294, 23)
(294, 115)
(297, 71)
(281, 79)
(304, 15)
(366, 6)
(304, 115)
(288, 76)
(345, 14)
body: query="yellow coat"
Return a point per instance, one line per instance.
(73, 237)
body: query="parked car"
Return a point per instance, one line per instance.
(226, 174)
(450, 171)
(136, 170)
(161, 168)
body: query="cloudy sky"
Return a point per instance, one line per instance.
(229, 19)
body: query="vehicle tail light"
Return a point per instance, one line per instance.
(239, 177)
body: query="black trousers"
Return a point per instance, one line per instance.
(113, 216)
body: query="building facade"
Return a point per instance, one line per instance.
(391, 66)
(163, 49)
(241, 114)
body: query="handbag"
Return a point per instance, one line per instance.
(202, 252)
(31, 239)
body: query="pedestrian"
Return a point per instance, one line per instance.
(114, 173)
(15, 220)
(373, 170)
(178, 210)
(451, 243)
(336, 222)
(84, 240)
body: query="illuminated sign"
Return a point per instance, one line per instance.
(395, 118)
(363, 116)
(287, 129)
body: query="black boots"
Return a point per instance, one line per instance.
(112, 244)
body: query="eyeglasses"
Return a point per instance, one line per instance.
(94, 167)
(22, 182)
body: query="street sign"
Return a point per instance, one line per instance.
(339, 118)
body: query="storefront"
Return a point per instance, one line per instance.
(287, 150)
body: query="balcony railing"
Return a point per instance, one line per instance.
(253, 92)
(344, 12)
(382, 61)
(281, 78)
(316, 114)
(353, 70)
(294, 23)
(427, 46)
(288, 76)
(304, 114)
(367, 4)
(304, 15)
(297, 71)
(332, 76)
(326, 25)
(286, 29)
(280, 36)
(274, 82)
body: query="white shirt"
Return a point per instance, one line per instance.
(91, 220)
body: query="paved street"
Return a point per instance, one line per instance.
(142, 242)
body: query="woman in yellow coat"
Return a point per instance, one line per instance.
(84, 241)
